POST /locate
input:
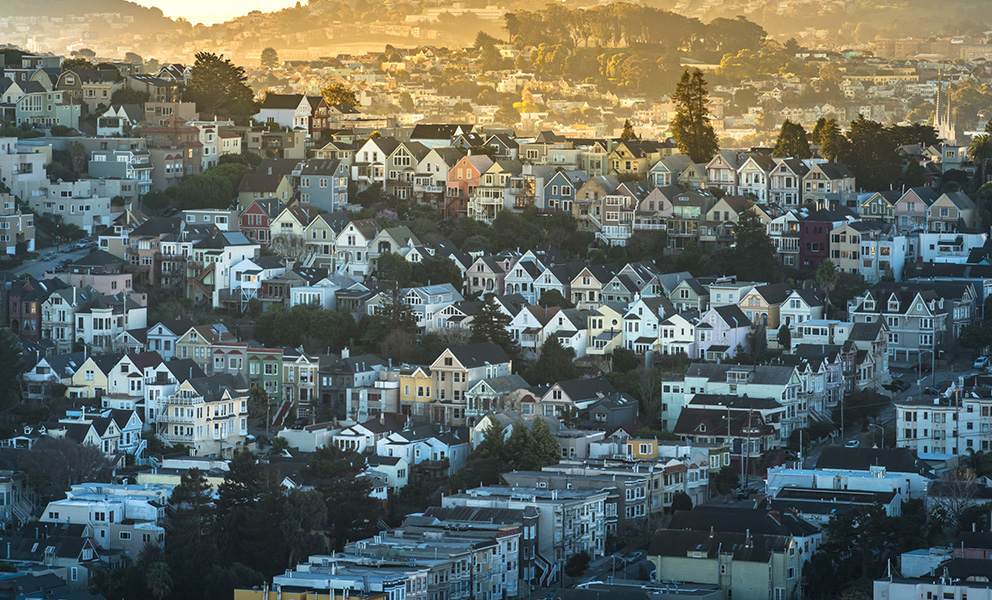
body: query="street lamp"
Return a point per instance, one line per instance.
(881, 430)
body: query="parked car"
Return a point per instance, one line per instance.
(982, 362)
(897, 385)
(852, 444)
(49, 256)
(632, 557)
(170, 211)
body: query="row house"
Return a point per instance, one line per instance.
(920, 318)
(208, 415)
(369, 167)
(323, 184)
(464, 178)
(353, 247)
(717, 227)
(911, 208)
(457, 370)
(430, 182)
(499, 187)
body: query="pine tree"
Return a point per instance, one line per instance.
(547, 450)
(628, 132)
(792, 141)
(269, 58)
(490, 323)
(691, 127)
(553, 364)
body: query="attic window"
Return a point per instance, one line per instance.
(702, 428)
(869, 303)
(894, 304)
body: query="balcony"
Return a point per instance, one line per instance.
(180, 419)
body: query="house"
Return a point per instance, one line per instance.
(324, 184)
(761, 304)
(722, 171)
(951, 212)
(401, 168)
(880, 206)
(641, 323)
(206, 415)
(688, 211)
(430, 183)
(529, 327)
(631, 159)
(262, 186)
(919, 318)
(463, 179)
(814, 235)
(587, 285)
(823, 179)
(719, 221)
(754, 178)
(749, 566)
(587, 207)
(256, 220)
(353, 246)
(786, 186)
(162, 337)
(457, 370)
(722, 332)
(911, 208)
(801, 306)
(690, 294)
(369, 167)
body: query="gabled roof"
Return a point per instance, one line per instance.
(478, 355)
(260, 182)
(733, 316)
(281, 101)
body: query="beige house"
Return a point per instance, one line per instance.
(457, 370)
(15, 227)
(207, 415)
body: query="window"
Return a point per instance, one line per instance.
(125, 535)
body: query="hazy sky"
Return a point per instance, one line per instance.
(212, 11)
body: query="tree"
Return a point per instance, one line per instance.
(691, 127)
(554, 298)
(832, 141)
(818, 131)
(303, 520)
(76, 64)
(624, 360)
(826, 277)
(870, 154)
(393, 267)
(337, 93)
(980, 152)
(190, 543)
(725, 480)
(681, 501)
(11, 366)
(158, 580)
(628, 131)
(434, 270)
(156, 200)
(129, 96)
(792, 141)
(219, 88)
(553, 364)
(203, 191)
(351, 511)
(754, 252)
(53, 465)
(577, 564)
(547, 450)
(269, 58)
(492, 324)
(785, 337)
(305, 325)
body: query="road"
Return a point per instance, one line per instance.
(941, 378)
(36, 268)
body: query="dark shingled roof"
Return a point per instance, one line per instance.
(477, 355)
(741, 520)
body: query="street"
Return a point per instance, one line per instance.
(36, 268)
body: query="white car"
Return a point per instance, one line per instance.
(852, 444)
(982, 362)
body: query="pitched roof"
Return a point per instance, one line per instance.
(481, 354)
(895, 460)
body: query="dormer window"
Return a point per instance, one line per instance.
(869, 303)
(893, 304)
(702, 428)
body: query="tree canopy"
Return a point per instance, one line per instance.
(219, 88)
(691, 127)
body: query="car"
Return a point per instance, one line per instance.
(897, 385)
(982, 362)
(852, 444)
(170, 211)
(49, 256)
(632, 557)
(924, 367)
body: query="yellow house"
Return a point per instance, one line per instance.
(762, 303)
(604, 327)
(319, 237)
(90, 379)
(632, 159)
(415, 391)
(197, 344)
(259, 186)
(641, 449)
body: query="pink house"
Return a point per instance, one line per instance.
(487, 274)
(720, 331)
(911, 208)
(463, 178)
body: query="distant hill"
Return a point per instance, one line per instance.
(145, 19)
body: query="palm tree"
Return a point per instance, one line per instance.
(826, 276)
(980, 151)
(158, 580)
